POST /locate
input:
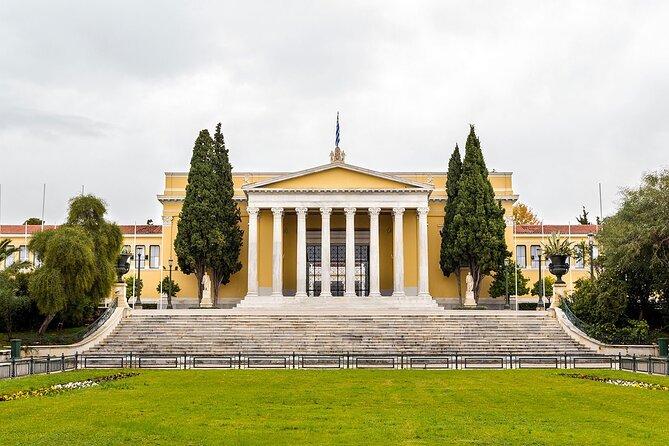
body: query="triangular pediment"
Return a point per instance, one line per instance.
(337, 176)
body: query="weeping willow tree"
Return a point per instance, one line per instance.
(78, 260)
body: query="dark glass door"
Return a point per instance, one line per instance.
(337, 270)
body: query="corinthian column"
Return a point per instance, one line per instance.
(350, 252)
(398, 252)
(325, 252)
(252, 266)
(277, 253)
(301, 286)
(374, 287)
(423, 281)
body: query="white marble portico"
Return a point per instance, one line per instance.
(371, 202)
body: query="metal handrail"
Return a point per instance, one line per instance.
(99, 322)
(580, 324)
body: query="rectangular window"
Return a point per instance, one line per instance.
(36, 260)
(154, 256)
(139, 257)
(534, 254)
(23, 253)
(521, 256)
(9, 260)
(578, 258)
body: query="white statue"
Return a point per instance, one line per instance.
(469, 296)
(206, 292)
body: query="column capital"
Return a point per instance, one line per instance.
(398, 211)
(349, 211)
(278, 212)
(325, 212)
(422, 211)
(167, 220)
(374, 212)
(252, 211)
(301, 211)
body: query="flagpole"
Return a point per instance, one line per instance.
(134, 280)
(43, 203)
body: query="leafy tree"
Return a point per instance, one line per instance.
(13, 298)
(449, 261)
(78, 260)
(598, 302)
(548, 286)
(133, 289)
(498, 285)
(33, 221)
(479, 218)
(524, 215)
(634, 247)
(225, 236)
(198, 214)
(583, 218)
(166, 286)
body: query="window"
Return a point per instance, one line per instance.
(36, 260)
(9, 260)
(521, 256)
(534, 254)
(578, 257)
(23, 253)
(139, 257)
(154, 256)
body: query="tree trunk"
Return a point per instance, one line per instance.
(457, 277)
(45, 324)
(216, 281)
(476, 276)
(199, 274)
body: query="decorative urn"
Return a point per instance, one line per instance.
(122, 266)
(558, 266)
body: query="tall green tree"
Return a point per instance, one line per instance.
(226, 236)
(634, 249)
(198, 214)
(583, 218)
(78, 260)
(479, 217)
(506, 274)
(449, 260)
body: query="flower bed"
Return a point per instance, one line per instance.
(620, 382)
(60, 388)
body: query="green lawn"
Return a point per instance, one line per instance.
(204, 407)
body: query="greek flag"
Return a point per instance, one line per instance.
(337, 132)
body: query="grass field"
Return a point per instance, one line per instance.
(203, 407)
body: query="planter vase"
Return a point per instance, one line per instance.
(558, 267)
(122, 266)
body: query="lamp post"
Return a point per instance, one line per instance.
(591, 242)
(170, 262)
(540, 302)
(506, 284)
(139, 258)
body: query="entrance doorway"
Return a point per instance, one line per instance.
(337, 269)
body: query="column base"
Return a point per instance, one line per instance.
(276, 294)
(328, 294)
(350, 295)
(399, 294)
(298, 294)
(426, 294)
(374, 294)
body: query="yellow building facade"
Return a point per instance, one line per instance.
(382, 231)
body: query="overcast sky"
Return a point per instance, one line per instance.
(111, 94)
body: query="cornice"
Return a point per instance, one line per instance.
(338, 191)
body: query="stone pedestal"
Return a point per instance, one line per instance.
(559, 292)
(469, 299)
(206, 301)
(120, 296)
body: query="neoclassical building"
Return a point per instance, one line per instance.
(332, 230)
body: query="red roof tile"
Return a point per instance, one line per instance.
(562, 229)
(125, 229)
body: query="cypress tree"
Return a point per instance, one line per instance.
(479, 219)
(197, 215)
(449, 262)
(226, 235)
